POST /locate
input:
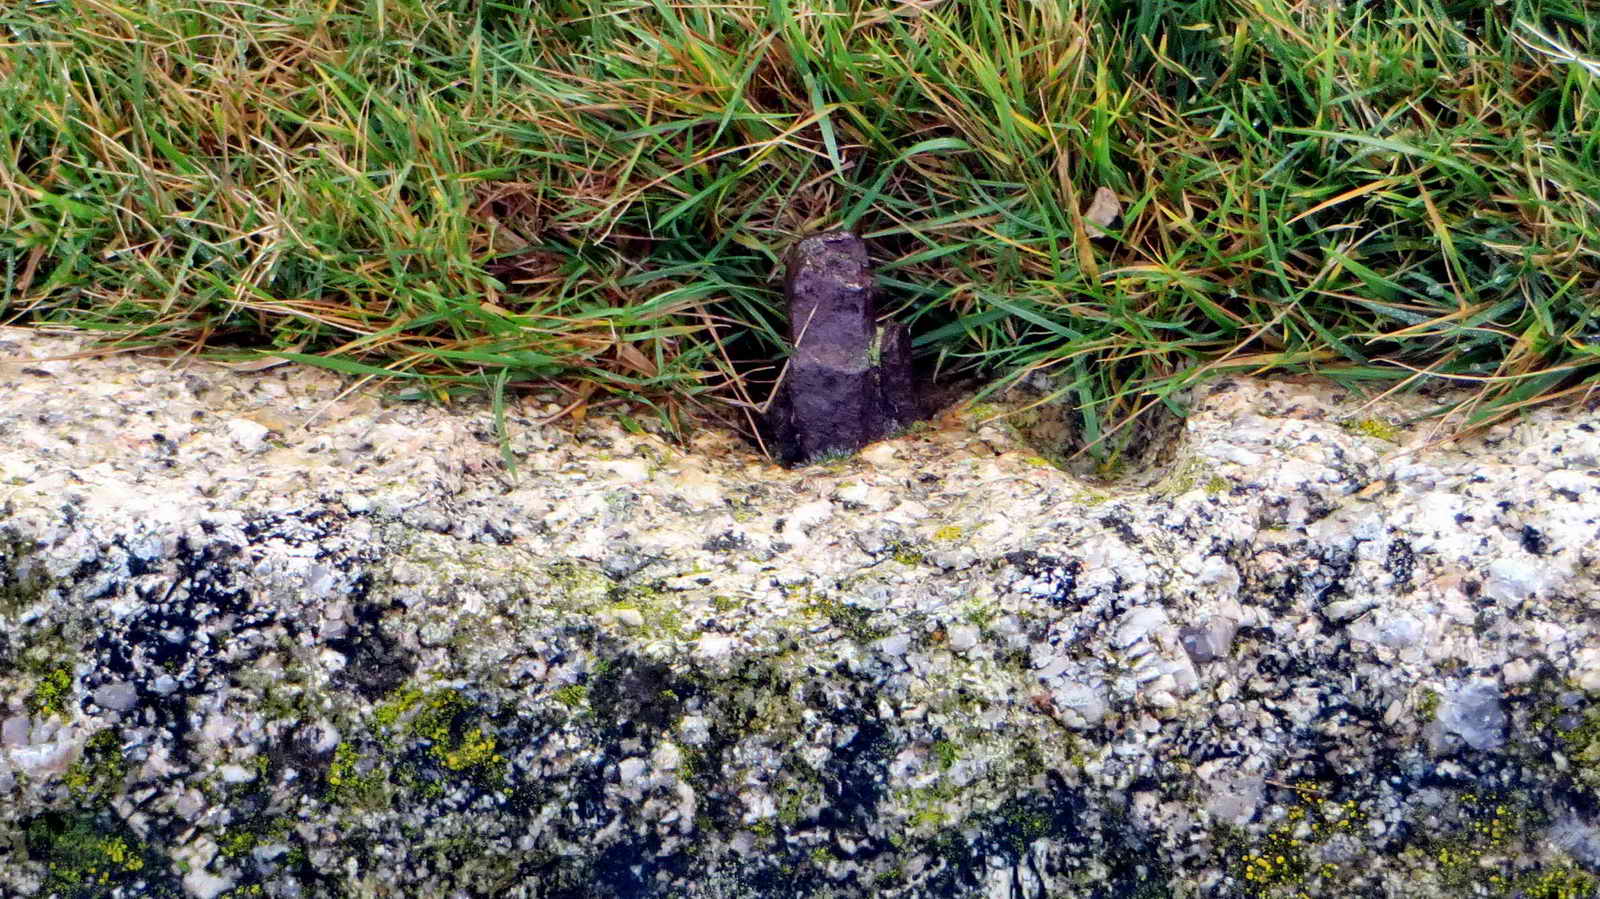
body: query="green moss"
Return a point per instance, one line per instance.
(439, 719)
(833, 460)
(980, 615)
(983, 412)
(1217, 484)
(948, 534)
(1109, 469)
(1025, 823)
(724, 603)
(789, 811)
(945, 753)
(1473, 846)
(1580, 741)
(1428, 706)
(579, 588)
(100, 770)
(927, 806)
(18, 589)
(1030, 758)
(389, 712)
(658, 608)
(284, 696)
(1282, 859)
(692, 762)
(478, 870)
(348, 786)
(1182, 478)
(238, 844)
(1275, 860)
(443, 718)
(241, 839)
(916, 427)
(473, 751)
(855, 621)
(84, 856)
(51, 692)
(1490, 827)
(573, 696)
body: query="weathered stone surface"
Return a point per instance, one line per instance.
(848, 381)
(362, 656)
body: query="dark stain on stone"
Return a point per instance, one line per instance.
(638, 695)
(1534, 541)
(1401, 561)
(1061, 575)
(376, 664)
(1122, 528)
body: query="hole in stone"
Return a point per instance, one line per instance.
(1138, 454)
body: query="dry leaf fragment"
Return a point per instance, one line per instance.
(1102, 212)
(629, 355)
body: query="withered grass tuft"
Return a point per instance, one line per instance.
(592, 195)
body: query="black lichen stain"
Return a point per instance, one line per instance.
(856, 775)
(136, 565)
(629, 869)
(727, 541)
(1061, 575)
(638, 695)
(1534, 541)
(1401, 562)
(376, 663)
(1326, 583)
(1048, 835)
(1120, 526)
(176, 629)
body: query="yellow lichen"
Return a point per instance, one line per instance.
(51, 693)
(1374, 427)
(475, 751)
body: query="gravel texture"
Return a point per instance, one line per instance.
(262, 635)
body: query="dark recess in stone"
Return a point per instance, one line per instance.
(848, 380)
(377, 664)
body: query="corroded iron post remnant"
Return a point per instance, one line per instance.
(848, 381)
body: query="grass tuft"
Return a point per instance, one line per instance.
(591, 196)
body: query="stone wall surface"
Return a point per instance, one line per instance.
(264, 635)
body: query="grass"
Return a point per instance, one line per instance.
(591, 197)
